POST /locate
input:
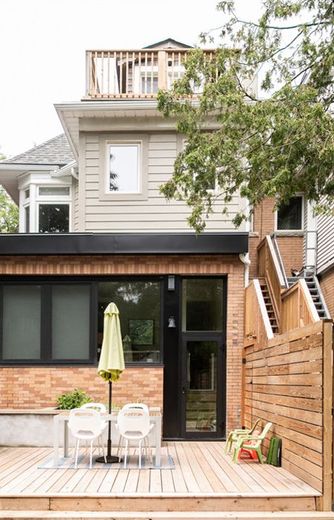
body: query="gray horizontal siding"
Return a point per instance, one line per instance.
(325, 254)
(153, 213)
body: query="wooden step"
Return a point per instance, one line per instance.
(110, 515)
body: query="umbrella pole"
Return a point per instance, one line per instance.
(109, 458)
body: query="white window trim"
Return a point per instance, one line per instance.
(142, 142)
(292, 231)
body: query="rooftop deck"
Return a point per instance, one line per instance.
(133, 73)
(203, 479)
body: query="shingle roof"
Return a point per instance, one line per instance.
(55, 151)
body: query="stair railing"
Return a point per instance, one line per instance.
(298, 309)
(257, 324)
(270, 269)
(322, 299)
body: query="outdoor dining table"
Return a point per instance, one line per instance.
(60, 425)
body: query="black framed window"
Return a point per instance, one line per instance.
(290, 215)
(53, 218)
(139, 305)
(47, 322)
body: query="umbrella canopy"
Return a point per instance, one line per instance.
(111, 363)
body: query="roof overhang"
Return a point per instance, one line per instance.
(9, 174)
(123, 243)
(114, 115)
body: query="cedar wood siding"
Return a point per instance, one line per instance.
(152, 213)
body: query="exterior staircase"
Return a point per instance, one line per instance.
(315, 291)
(269, 305)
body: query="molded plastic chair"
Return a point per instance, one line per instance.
(95, 406)
(86, 424)
(251, 442)
(133, 423)
(234, 435)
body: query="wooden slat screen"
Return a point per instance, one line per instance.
(284, 381)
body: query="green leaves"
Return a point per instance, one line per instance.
(9, 214)
(278, 144)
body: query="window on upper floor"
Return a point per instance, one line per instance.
(123, 168)
(53, 218)
(46, 209)
(290, 215)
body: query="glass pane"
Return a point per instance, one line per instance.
(27, 219)
(139, 307)
(123, 168)
(201, 394)
(54, 190)
(21, 322)
(53, 218)
(289, 216)
(70, 322)
(202, 304)
(27, 194)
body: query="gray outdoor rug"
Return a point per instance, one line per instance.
(132, 462)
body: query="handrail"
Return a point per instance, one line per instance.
(298, 309)
(257, 324)
(269, 268)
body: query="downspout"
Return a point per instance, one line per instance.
(244, 257)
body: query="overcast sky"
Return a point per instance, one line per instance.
(43, 43)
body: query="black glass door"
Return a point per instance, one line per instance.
(203, 357)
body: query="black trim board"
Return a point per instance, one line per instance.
(123, 243)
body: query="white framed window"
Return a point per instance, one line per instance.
(53, 209)
(123, 166)
(289, 216)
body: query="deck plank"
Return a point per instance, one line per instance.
(203, 477)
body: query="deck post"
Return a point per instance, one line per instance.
(162, 69)
(325, 501)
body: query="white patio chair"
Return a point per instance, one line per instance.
(133, 423)
(88, 425)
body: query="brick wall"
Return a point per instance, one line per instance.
(327, 287)
(290, 246)
(38, 386)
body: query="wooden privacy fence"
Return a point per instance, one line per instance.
(288, 381)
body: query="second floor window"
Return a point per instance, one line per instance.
(290, 215)
(53, 218)
(124, 170)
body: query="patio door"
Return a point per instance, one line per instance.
(203, 357)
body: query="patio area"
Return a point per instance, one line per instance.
(201, 478)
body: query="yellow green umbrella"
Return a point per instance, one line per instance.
(111, 363)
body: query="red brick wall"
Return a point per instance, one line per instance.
(290, 246)
(327, 287)
(39, 386)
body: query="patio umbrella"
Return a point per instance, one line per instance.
(111, 363)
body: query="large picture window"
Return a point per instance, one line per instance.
(139, 304)
(46, 323)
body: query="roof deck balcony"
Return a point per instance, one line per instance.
(133, 74)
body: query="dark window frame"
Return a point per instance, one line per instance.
(46, 323)
(46, 343)
(292, 229)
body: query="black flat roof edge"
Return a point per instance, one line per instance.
(123, 243)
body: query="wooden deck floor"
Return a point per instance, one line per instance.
(204, 479)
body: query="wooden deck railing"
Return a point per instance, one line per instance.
(297, 309)
(133, 73)
(257, 324)
(269, 269)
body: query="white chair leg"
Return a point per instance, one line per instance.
(76, 453)
(126, 451)
(91, 455)
(140, 452)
